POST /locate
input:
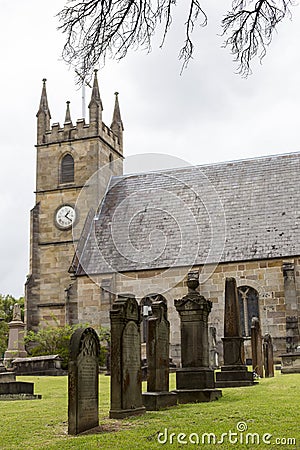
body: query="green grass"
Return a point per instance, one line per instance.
(270, 407)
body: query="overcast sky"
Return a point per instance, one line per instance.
(208, 114)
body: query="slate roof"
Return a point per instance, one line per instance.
(232, 211)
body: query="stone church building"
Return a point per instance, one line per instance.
(96, 232)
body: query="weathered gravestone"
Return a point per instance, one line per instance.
(83, 381)
(213, 352)
(256, 347)
(126, 374)
(194, 380)
(268, 356)
(158, 395)
(234, 372)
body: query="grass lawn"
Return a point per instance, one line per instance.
(272, 407)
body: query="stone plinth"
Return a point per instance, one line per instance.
(290, 362)
(234, 372)
(126, 375)
(268, 356)
(83, 381)
(194, 380)
(16, 390)
(158, 395)
(16, 346)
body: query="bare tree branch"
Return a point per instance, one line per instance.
(251, 29)
(96, 29)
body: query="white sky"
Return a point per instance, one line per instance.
(208, 114)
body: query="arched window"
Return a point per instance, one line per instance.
(111, 161)
(249, 308)
(67, 169)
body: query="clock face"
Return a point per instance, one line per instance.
(65, 216)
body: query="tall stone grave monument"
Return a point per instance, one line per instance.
(268, 356)
(16, 346)
(126, 374)
(256, 347)
(158, 395)
(194, 380)
(234, 372)
(83, 377)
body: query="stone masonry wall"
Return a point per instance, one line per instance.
(265, 276)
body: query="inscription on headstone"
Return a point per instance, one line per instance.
(126, 374)
(158, 395)
(83, 381)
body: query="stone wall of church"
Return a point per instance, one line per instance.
(266, 277)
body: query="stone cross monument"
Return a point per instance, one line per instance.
(234, 372)
(194, 380)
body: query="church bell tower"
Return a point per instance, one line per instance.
(66, 159)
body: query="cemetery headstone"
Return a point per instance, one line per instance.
(194, 380)
(268, 356)
(126, 375)
(158, 395)
(256, 346)
(234, 372)
(83, 380)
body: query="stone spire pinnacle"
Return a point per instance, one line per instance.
(117, 124)
(68, 114)
(95, 105)
(43, 115)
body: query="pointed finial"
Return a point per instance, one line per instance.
(68, 114)
(44, 101)
(95, 98)
(117, 123)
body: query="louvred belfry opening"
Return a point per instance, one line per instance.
(67, 169)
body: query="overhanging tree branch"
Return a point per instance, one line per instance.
(96, 29)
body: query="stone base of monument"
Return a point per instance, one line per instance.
(17, 390)
(154, 401)
(197, 395)
(234, 376)
(195, 378)
(195, 385)
(123, 413)
(290, 362)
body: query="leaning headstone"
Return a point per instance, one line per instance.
(256, 347)
(158, 395)
(268, 356)
(194, 380)
(126, 374)
(83, 381)
(234, 372)
(16, 346)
